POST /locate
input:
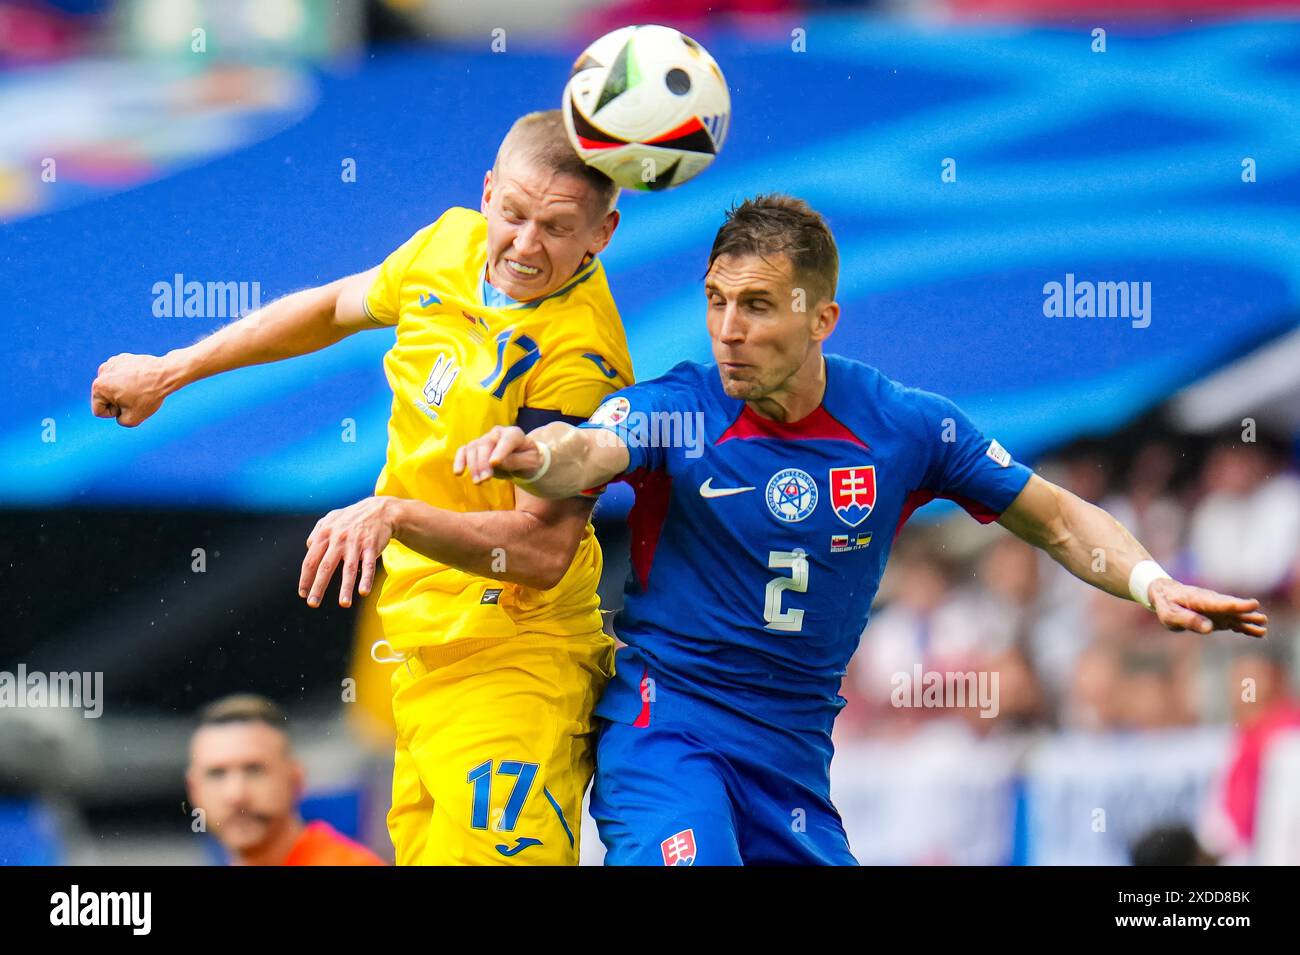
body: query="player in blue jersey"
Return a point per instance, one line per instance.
(768, 493)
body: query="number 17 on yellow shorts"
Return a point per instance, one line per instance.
(495, 752)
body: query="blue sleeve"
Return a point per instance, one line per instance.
(633, 414)
(964, 465)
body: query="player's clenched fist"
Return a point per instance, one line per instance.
(503, 452)
(129, 388)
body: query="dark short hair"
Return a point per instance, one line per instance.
(777, 224)
(540, 138)
(243, 708)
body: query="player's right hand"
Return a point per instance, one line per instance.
(503, 452)
(1183, 607)
(129, 388)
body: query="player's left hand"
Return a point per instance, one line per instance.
(354, 537)
(503, 452)
(1183, 607)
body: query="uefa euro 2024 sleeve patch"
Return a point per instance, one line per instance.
(999, 454)
(613, 411)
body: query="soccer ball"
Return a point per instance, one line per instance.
(647, 106)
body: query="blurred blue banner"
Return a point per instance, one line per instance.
(961, 171)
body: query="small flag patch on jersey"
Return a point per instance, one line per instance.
(999, 454)
(842, 543)
(491, 596)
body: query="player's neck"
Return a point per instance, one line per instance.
(276, 849)
(799, 397)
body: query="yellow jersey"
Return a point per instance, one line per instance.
(460, 366)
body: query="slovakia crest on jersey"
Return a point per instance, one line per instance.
(679, 849)
(853, 493)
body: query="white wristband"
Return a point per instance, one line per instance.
(545, 450)
(1141, 578)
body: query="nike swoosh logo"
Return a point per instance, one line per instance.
(428, 298)
(519, 846)
(708, 490)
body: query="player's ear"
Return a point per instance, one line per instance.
(487, 192)
(825, 320)
(605, 233)
(191, 785)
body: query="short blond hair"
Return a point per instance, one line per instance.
(540, 139)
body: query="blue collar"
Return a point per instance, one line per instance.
(492, 296)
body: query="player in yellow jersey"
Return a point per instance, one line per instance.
(503, 316)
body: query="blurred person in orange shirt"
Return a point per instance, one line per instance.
(244, 778)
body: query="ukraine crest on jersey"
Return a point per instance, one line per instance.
(468, 358)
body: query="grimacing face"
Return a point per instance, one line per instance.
(245, 779)
(540, 224)
(759, 337)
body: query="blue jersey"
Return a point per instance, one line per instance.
(758, 546)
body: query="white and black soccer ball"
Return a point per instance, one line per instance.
(647, 106)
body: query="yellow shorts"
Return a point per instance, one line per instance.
(495, 751)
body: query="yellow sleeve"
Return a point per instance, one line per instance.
(573, 382)
(384, 300)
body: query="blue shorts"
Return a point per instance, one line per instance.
(666, 794)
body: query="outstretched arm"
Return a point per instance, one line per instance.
(554, 461)
(130, 388)
(1097, 549)
(533, 545)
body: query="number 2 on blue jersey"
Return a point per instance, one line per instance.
(787, 621)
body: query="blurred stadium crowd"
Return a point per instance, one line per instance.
(1226, 516)
(1071, 661)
